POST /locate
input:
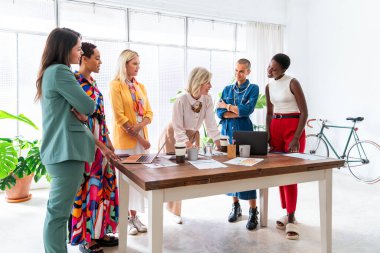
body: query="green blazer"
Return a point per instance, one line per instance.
(64, 137)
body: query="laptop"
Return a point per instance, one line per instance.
(257, 139)
(142, 158)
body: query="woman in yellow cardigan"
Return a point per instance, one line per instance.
(132, 113)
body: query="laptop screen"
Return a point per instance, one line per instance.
(258, 140)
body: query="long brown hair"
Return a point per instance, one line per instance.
(57, 51)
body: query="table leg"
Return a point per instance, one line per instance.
(264, 207)
(123, 213)
(325, 209)
(155, 226)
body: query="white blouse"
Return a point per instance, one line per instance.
(184, 118)
(281, 96)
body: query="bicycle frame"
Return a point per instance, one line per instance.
(352, 134)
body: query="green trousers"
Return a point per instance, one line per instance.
(66, 178)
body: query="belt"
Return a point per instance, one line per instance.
(284, 116)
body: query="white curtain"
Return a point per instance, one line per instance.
(263, 42)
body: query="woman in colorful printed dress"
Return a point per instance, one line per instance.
(96, 207)
(132, 114)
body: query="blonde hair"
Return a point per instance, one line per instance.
(197, 78)
(121, 70)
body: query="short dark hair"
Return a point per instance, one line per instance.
(245, 61)
(88, 50)
(283, 60)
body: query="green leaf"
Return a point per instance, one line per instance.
(20, 117)
(207, 140)
(7, 183)
(34, 163)
(8, 159)
(21, 168)
(178, 94)
(261, 102)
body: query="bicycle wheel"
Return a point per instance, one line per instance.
(316, 146)
(363, 160)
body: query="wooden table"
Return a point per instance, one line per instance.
(185, 182)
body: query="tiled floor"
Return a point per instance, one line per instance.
(356, 224)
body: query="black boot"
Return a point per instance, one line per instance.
(235, 213)
(252, 220)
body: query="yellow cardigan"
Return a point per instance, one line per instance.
(122, 105)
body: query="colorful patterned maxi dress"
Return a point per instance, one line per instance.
(96, 208)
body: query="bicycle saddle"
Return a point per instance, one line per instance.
(356, 119)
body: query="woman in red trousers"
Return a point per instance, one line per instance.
(286, 118)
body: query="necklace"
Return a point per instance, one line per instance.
(239, 92)
(196, 107)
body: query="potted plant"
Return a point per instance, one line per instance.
(19, 163)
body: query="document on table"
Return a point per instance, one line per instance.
(160, 162)
(306, 156)
(244, 161)
(207, 164)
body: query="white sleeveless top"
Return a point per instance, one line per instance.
(281, 96)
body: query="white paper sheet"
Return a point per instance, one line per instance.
(207, 164)
(159, 163)
(244, 161)
(306, 156)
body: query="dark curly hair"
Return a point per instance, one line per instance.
(88, 50)
(283, 60)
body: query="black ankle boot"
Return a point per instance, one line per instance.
(252, 220)
(235, 213)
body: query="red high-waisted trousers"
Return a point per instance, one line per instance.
(281, 134)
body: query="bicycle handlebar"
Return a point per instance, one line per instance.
(310, 120)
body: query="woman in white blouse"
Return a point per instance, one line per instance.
(189, 113)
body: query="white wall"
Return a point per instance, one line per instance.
(334, 46)
(270, 11)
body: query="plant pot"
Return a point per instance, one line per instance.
(20, 192)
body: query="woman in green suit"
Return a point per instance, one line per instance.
(66, 142)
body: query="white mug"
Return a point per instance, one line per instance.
(180, 149)
(245, 150)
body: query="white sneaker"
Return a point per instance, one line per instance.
(176, 218)
(132, 230)
(139, 225)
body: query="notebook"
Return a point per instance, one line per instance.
(142, 158)
(257, 139)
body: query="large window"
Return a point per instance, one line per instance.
(157, 28)
(211, 34)
(170, 46)
(93, 20)
(27, 15)
(8, 80)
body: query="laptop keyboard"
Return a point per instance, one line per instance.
(145, 158)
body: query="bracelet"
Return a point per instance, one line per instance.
(228, 107)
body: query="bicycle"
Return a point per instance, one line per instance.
(362, 158)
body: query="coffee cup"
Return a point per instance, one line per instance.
(192, 154)
(245, 150)
(180, 152)
(223, 143)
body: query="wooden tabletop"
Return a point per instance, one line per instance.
(186, 174)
